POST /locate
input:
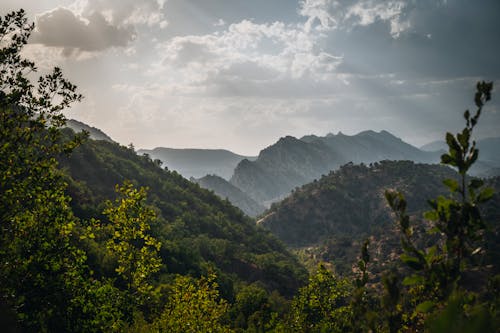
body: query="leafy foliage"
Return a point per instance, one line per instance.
(439, 278)
(135, 249)
(194, 306)
(323, 305)
(37, 255)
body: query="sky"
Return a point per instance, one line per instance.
(240, 74)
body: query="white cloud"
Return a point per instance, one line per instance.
(368, 12)
(245, 58)
(327, 15)
(322, 11)
(97, 25)
(62, 28)
(125, 12)
(220, 23)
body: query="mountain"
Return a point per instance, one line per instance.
(438, 145)
(226, 190)
(370, 146)
(199, 231)
(292, 162)
(281, 167)
(489, 150)
(488, 164)
(94, 133)
(329, 218)
(197, 162)
(350, 200)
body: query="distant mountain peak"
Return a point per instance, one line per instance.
(94, 133)
(287, 139)
(367, 133)
(197, 162)
(224, 189)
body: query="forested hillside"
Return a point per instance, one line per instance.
(350, 201)
(198, 230)
(328, 219)
(226, 190)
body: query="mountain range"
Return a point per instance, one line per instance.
(293, 162)
(197, 163)
(254, 183)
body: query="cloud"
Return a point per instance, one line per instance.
(247, 58)
(327, 15)
(322, 11)
(248, 72)
(97, 25)
(367, 12)
(126, 12)
(62, 28)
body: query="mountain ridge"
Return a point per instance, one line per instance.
(94, 133)
(292, 162)
(226, 190)
(197, 162)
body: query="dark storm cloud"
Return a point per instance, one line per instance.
(62, 28)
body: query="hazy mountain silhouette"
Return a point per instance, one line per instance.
(226, 190)
(488, 164)
(292, 162)
(94, 133)
(197, 162)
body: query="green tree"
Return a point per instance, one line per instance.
(323, 305)
(136, 250)
(39, 266)
(194, 307)
(437, 283)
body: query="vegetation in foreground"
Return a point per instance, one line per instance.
(105, 272)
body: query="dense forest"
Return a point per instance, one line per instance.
(328, 220)
(95, 238)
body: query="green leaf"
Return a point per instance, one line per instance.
(453, 143)
(486, 194)
(467, 114)
(463, 138)
(446, 159)
(476, 183)
(412, 262)
(452, 184)
(425, 307)
(431, 215)
(413, 280)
